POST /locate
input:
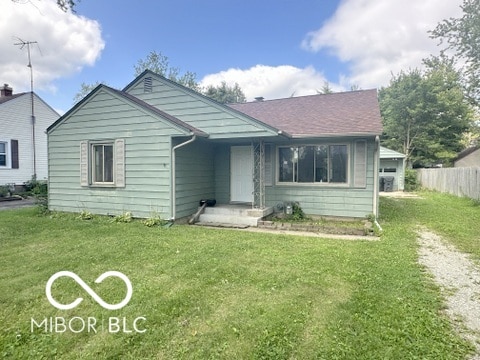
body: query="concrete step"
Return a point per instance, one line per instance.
(238, 211)
(221, 225)
(235, 215)
(227, 210)
(233, 219)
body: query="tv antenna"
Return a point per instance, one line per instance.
(22, 44)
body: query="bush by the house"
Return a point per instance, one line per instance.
(411, 180)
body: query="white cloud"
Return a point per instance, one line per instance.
(377, 38)
(66, 43)
(271, 82)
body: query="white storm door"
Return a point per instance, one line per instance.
(241, 174)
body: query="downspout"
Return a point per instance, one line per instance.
(34, 146)
(376, 159)
(173, 198)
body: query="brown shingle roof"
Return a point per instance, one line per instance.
(337, 114)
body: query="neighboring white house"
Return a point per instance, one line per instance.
(392, 164)
(23, 142)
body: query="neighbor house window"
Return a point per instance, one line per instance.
(102, 163)
(3, 154)
(313, 164)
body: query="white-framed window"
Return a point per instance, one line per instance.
(313, 164)
(102, 163)
(3, 153)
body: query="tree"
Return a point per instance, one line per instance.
(425, 114)
(85, 89)
(461, 35)
(159, 64)
(225, 94)
(66, 4)
(326, 89)
(62, 4)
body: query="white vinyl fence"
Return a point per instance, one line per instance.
(457, 181)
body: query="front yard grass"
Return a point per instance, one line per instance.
(222, 294)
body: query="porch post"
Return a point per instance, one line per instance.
(258, 174)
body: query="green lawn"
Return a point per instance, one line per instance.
(223, 294)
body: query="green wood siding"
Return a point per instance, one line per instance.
(330, 200)
(147, 159)
(222, 174)
(318, 199)
(216, 120)
(195, 178)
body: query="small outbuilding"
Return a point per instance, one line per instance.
(392, 170)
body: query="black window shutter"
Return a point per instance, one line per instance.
(14, 152)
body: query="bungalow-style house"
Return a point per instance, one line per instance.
(157, 147)
(392, 165)
(468, 157)
(23, 139)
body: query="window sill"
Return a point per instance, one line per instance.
(326, 185)
(101, 186)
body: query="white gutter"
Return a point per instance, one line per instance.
(376, 158)
(173, 198)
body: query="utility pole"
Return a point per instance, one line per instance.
(22, 44)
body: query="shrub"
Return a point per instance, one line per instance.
(36, 187)
(85, 215)
(125, 217)
(39, 190)
(4, 191)
(153, 220)
(297, 212)
(411, 180)
(296, 215)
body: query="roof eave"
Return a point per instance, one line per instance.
(200, 96)
(73, 109)
(335, 135)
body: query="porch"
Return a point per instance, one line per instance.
(232, 215)
(231, 172)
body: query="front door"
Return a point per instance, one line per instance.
(241, 175)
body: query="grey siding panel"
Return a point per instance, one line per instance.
(194, 176)
(147, 159)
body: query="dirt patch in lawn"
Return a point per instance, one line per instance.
(459, 278)
(400, 195)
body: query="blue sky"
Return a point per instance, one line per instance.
(271, 48)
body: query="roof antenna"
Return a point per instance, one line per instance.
(22, 44)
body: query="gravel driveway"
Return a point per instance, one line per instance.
(459, 279)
